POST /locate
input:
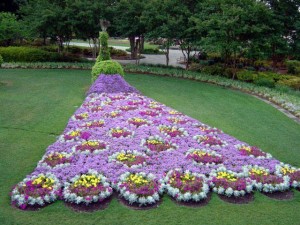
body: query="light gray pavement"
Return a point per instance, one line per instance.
(174, 56)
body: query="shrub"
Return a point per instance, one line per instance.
(291, 81)
(263, 63)
(107, 67)
(117, 52)
(195, 67)
(153, 51)
(247, 75)
(33, 54)
(266, 82)
(1, 60)
(104, 53)
(213, 70)
(293, 66)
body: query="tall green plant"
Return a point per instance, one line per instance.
(104, 53)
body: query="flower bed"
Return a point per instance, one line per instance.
(186, 186)
(37, 190)
(122, 132)
(140, 188)
(87, 188)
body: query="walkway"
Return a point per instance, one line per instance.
(149, 59)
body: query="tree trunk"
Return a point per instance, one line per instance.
(132, 46)
(94, 47)
(142, 44)
(138, 50)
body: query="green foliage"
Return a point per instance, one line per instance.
(291, 81)
(104, 53)
(231, 27)
(266, 82)
(1, 60)
(247, 75)
(108, 67)
(10, 28)
(195, 67)
(216, 70)
(117, 52)
(31, 54)
(293, 66)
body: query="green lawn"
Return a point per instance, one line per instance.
(35, 106)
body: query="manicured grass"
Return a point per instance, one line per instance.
(35, 106)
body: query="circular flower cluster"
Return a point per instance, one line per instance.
(56, 160)
(36, 190)
(172, 131)
(292, 172)
(87, 188)
(186, 186)
(80, 116)
(138, 122)
(253, 151)
(157, 144)
(139, 188)
(207, 129)
(264, 181)
(129, 158)
(91, 146)
(210, 141)
(119, 132)
(229, 183)
(204, 157)
(93, 124)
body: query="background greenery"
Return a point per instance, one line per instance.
(31, 118)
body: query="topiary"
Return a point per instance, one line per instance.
(104, 53)
(108, 67)
(1, 60)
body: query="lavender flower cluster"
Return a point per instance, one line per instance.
(115, 118)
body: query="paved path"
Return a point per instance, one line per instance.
(149, 59)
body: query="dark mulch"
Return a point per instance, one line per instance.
(193, 204)
(238, 200)
(137, 206)
(285, 195)
(31, 207)
(298, 189)
(95, 206)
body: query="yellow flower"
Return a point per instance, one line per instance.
(259, 172)
(75, 133)
(287, 170)
(227, 176)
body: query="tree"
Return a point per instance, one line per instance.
(10, 28)
(128, 22)
(48, 18)
(164, 20)
(86, 16)
(231, 27)
(287, 18)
